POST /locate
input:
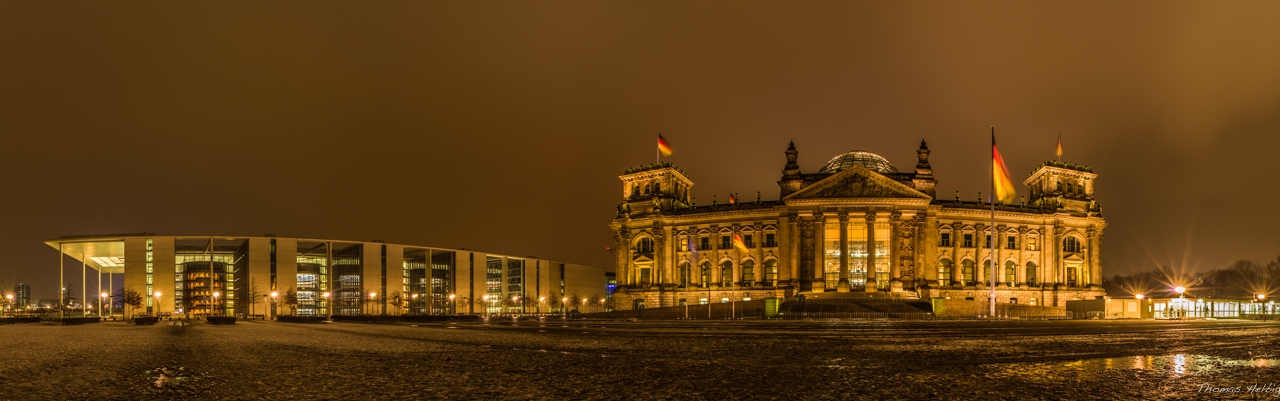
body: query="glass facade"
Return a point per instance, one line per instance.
(857, 254)
(350, 296)
(882, 255)
(493, 284)
(831, 252)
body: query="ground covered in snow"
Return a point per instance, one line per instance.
(556, 359)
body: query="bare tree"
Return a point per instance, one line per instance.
(397, 299)
(131, 298)
(291, 300)
(254, 295)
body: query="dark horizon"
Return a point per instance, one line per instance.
(503, 129)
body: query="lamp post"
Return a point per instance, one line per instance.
(104, 297)
(273, 304)
(564, 307)
(157, 294)
(486, 306)
(516, 300)
(214, 305)
(9, 305)
(540, 301)
(453, 307)
(1139, 296)
(602, 305)
(413, 304)
(371, 301)
(328, 307)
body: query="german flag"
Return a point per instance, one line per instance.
(1059, 146)
(663, 146)
(739, 244)
(1005, 191)
(733, 199)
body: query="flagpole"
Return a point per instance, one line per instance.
(992, 242)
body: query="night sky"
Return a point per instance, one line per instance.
(502, 126)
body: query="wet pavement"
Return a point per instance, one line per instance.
(577, 359)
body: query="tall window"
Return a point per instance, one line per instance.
(831, 252)
(684, 274)
(1011, 242)
(968, 273)
(726, 273)
(986, 272)
(1071, 276)
(748, 240)
(944, 240)
(1071, 244)
(1031, 273)
(1031, 243)
(1009, 273)
(748, 273)
(882, 254)
(645, 245)
(705, 244)
(726, 242)
(771, 272)
(705, 271)
(643, 277)
(770, 240)
(988, 242)
(944, 272)
(968, 240)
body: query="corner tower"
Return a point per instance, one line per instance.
(1062, 186)
(661, 186)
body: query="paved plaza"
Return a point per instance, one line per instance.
(577, 359)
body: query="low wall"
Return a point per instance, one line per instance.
(962, 308)
(732, 310)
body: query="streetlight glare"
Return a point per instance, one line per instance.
(1140, 296)
(217, 294)
(273, 294)
(157, 294)
(1180, 289)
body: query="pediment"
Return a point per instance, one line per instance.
(1074, 257)
(856, 182)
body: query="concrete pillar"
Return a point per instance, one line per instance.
(163, 274)
(793, 239)
(287, 272)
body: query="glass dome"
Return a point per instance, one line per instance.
(867, 160)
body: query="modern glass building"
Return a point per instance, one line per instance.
(199, 275)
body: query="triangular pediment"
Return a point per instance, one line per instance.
(856, 182)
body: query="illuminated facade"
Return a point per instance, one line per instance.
(197, 275)
(857, 227)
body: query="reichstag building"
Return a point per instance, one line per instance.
(857, 227)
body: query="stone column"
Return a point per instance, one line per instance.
(1095, 253)
(979, 276)
(1058, 271)
(957, 268)
(997, 244)
(659, 256)
(895, 241)
(623, 266)
(1021, 272)
(805, 251)
(736, 280)
(784, 249)
(794, 239)
(870, 285)
(758, 252)
(843, 284)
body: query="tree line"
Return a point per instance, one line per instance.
(1242, 280)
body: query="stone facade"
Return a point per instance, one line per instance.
(856, 226)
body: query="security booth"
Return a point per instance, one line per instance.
(1129, 308)
(1201, 308)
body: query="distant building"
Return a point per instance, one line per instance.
(857, 226)
(610, 285)
(199, 274)
(24, 296)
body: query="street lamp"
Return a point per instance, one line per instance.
(540, 301)
(1139, 296)
(215, 302)
(453, 307)
(413, 303)
(564, 307)
(327, 305)
(273, 304)
(157, 294)
(104, 297)
(516, 300)
(602, 305)
(486, 306)
(1180, 290)
(1262, 296)
(371, 306)
(9, 305)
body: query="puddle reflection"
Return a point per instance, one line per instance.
(1175, 365)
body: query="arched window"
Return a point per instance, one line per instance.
(1031, 273)
(657, 188)
(646, 189)
(967, 273)
(1071, 244)
(684, 274)
(771, 272)
(986, 272)
(705, 279)
(944, 272)
(726, 273)
(1010, 275)
(748, 273)
(645, 245)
